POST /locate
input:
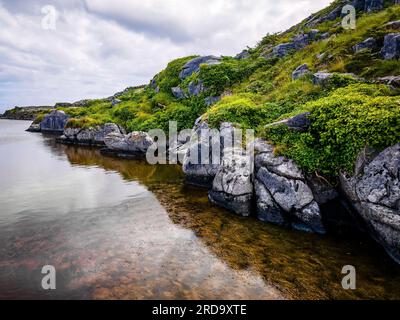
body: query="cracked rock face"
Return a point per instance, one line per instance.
(391, 46)
(92, 136)
(54, 122)
(202, 173)
(134, 142)
(282, 194)
(375, 194)
(233, 187)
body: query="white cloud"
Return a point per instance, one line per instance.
(100, 47)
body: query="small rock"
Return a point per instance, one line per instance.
(243, 55)
(300, 71)
(178, 93)
(391, 47)
(196, 89)
(394, 25)
(368, 44)
(211, 100)
(281, 50)
(299, 122)
(392, 81)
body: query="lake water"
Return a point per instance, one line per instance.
(122, 229)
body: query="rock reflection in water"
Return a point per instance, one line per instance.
(152, 237)
(301, 265)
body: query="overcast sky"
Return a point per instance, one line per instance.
(99, 47)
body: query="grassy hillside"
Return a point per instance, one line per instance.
(347, 113)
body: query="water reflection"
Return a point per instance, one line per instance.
(153, 237)
(300, 265)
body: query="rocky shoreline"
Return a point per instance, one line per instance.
(270, 188)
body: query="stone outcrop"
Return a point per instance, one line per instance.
(367, 44)
(132, 143)
(299, 122)
(54, 122)
(300, 71)
(282, 194)
(194, 65)
(200, 163)
(391, 47)
(281, 50)
(94, 136)
(232, 187)
(302, 40)
(374, 192)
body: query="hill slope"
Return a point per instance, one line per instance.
(341, 80)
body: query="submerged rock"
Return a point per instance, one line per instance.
(375, 195)
(282, 195)
(233, 187)
(54, 122)
(134, 142)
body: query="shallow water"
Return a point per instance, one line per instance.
(122, 229)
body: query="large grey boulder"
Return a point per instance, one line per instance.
(132, 143)
(300, 71)
(375, 195)
(90, 136)
(282, 194)
(54, 122)
(205, 152)
(232, 187)
(391, 46)
(367, 44)
(194, 65)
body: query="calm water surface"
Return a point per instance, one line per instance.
(122, 229)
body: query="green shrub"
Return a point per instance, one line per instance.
(342, 124)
